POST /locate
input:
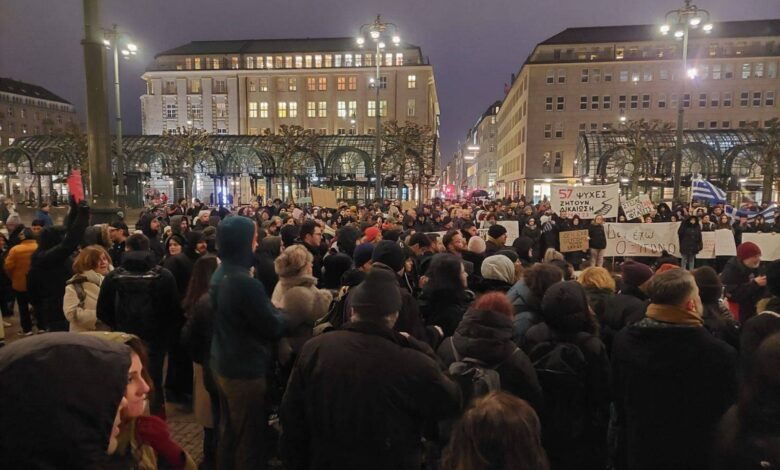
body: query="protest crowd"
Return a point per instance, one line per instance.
(446, 334)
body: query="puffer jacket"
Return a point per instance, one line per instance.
(528, 310)
(80, 300)
(17, 264)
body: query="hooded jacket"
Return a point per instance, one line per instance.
(63, 414)
(690, 237)
(155, 243)
(181, 265)
(245, 322)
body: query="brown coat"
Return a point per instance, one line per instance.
(17, 264)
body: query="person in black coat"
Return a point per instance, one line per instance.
(150, 226)
(742, 280)
(444, 298)
(689, 235)
(628, 306)
(361, 396)
(180, 265)
(51, 268)
(716, 315)
(485, 334)
(533, 232)
(672, 380)
(266, 252)
(765, 323)
(597, 241)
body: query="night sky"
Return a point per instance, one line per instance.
(474, 46)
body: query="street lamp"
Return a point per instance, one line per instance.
(682, 21)
(112, 39)
(378, 32)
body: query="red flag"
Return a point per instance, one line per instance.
(75, 186)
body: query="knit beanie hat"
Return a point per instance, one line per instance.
(390, 254)
(496, 231)
(747, 250)
(499, 268)
(371, 233)
(565, 306)
(635, 274)
(365, 297)
(710, 286)
(333, 267)
(363, 254)
(477, 245)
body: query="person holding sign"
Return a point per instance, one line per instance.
(690, 241)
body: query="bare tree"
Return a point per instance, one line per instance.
(633, 155)
(408, 152)
(766, 141)
(292, 147)
(188, 146)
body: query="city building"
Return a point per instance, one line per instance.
(252, 87)
(485, 136)
(585, 80)
(27, 110)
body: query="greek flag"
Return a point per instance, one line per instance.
(768, 213)
(706, 191)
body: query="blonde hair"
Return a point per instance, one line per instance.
(293, 261)
(597, 277)
(89, 258)
(551, 254)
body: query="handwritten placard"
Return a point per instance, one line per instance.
(574, 240)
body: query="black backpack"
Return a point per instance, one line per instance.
(474, 377)
(135, 304)
(562, 370)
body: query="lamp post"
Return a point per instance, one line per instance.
(681, 21)
(378, 32)
(112, 37)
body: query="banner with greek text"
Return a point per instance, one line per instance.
(637, 207)
(586, 201)
(642, 239)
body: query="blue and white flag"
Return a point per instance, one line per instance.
(705, 191)
(768, 214)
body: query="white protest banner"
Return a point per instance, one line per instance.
(708, 246)
(637, 207)
(586, 201)
(512, 230)
(642, 239)
(768, 242)
(724, 243)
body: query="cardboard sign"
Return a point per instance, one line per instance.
(637, 207)
(76, 186)
(512, 230)
(574, 240)
(324, 198)
(586, 201)
(642, 239)
(768, 242)
(406, 205)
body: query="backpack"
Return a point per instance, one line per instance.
(562, 370)
(474, 377)
(135, 303)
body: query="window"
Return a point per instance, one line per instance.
(293, 108)
(757, 98)
(550, 77)
(686, 100)
(328, 60)
(560, 104)
(234, 63)
(369, 60)
(594, 126)
(561, 76)
(337, 60)
(292, 84)
(559, 130)
(372, 108)
(399, 59)
(382, 83)
(645, 101)
(769, 98)
(716, 71)
(728, 71)
(548, 103)
(606, 102)
(634, 76)
(558, 164)
(311, 84)
(584, 76)
(215, 64)
(253, 109)
(700, 124)
(251, 84)
(171, 111)
(647, 76)
(311, 109)
(341, 83)
(411, 81)
(352, 109)
(595, 75)
(318, 61)
(149, 87)
(594, 102)
(288, 62)
(758, 70)
(347, 60)
(193, 86)
(714, 100)
(624, 75)
(622, 102)
(410, 107)
(727, 100)
(188, 63)
(341, 109)
(744, 98)
(262, 84)
(341, 131)
(607, 75)
(281, 108)
(197, 63)
(388, 59)
(219, 87)
(713, 124)
(745, 71)
(771, 70)
(583, 102)
(548, 131)
(358, 61)
(298, 61)
(583, 127)
(221, 110)
(278, 62)
(263, 109)
(322, 83)
(725, 124)
(221, 129)
(663, 74)
(634, 101)
(352, 83)
(169, 88)
(702, 100)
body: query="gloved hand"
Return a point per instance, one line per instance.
(153, 431)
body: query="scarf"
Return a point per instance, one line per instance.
(673, 314)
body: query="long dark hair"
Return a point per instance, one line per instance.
(444, 278)
(199, 282)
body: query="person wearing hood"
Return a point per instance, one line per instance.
(690, 240)
(51, 265)
(498, 274)
(268, 249)
(526, 297)
(65, 415)
(526, 249)
(180, 224)
(174, 245)
(245, 325)
(485, 334)
(663, 214)
(150, 226)
(83, 289)
(180, 265)
(653, 362)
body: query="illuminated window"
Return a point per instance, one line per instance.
(263, 109)
(352, 107)
(311, 109)
(253, 109)
(347, 60)
(250, 62)
(292, 106)
(411, 81)
(399, 59)
(298, 61)
(281, 109)
(322, 83)
(311, 84)
(328, 60)
(352, 83)
(288, 62)
(197, 63)
(337, 61)
(318, 61)
(341, 109)
(262, 84)
(308, 61)
(341, 83)
(322, 109)
(234, 63)
(410, 107)
(292, 84)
